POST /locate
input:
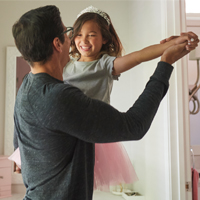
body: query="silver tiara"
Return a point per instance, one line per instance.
(92, 9)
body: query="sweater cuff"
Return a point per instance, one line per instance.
(163, 72)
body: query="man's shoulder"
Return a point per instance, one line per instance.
(63, 90)
(48, 87)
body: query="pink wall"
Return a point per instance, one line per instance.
(22, 69)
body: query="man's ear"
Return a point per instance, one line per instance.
(57, 44)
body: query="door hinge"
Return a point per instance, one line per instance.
(188, 186)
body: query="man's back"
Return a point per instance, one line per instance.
(51, 159)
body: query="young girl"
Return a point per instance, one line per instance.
(96, 50)
(97, 61)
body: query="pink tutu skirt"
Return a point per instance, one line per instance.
(16, 157)
(112, 166)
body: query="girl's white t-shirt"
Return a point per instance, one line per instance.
(94, 78)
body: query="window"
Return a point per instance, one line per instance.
(192, 6)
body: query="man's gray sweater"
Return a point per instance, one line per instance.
(56, 127)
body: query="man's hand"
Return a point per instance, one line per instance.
(177, 51)
(174, 53)
(193, 42)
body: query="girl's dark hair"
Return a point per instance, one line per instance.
(113, 46)
(34, 33)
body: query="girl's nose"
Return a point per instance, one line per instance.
(84, 39)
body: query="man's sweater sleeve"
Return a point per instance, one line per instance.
(15, 139)
(97, 122)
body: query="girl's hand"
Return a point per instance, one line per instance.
(189, 37)
(17, 169)
(168, 39)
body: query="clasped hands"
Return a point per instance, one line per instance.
(182, 45)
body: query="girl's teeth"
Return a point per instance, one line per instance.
(85, 47)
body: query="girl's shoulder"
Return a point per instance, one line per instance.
(106, 56)
(107, 60)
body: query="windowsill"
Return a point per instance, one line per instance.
(193, 16)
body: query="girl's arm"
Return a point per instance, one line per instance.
(124, 63)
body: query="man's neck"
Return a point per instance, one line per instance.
(51, 68)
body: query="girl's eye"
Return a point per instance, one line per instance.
(92, 35)
(79, 35)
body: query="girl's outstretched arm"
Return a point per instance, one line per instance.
(124, 63)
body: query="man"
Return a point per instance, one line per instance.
(56, 125)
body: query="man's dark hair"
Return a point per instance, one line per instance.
(35, 31)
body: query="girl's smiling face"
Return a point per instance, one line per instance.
(89, 41)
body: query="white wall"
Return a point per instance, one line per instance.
(148, 154)
(139, 24)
